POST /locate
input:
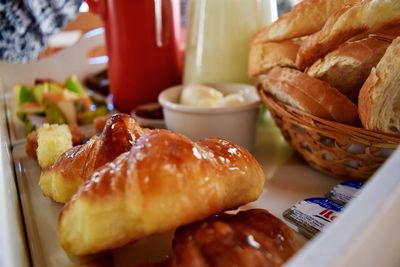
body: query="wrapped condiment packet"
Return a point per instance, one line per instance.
(311, 215)
(342, 193)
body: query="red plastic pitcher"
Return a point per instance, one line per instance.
(142, 39)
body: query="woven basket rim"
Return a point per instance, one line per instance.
(301, 116)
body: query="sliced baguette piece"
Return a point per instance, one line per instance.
(379, 100)
(310, 95)
(265, 56)
(347, 67)
(305, 18)
(348, 22)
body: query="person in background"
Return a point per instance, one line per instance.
(285, 6)
(25, 25)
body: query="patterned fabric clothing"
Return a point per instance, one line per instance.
(25, 25)
(285, 6)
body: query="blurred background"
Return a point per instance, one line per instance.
(87, 21)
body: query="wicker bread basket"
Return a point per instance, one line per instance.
(340, 150)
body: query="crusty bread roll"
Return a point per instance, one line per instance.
(265, 56)
(62, 179)
(310, 95)
(165, 181)
(370, 16)
(347, 67)
(388, 34)
(234, 240)
(379, 100)
(305, 18)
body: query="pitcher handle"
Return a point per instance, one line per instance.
(98, 7)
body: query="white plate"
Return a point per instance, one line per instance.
(288, 180)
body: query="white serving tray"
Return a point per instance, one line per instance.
(13, 250)
(367, 233)
(288, 180)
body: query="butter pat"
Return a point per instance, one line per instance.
(200, 95)
(231, 100)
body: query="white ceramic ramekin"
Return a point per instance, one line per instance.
(237, 124)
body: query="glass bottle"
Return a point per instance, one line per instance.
(219, 37)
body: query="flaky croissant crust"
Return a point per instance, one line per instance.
(62, 179)
(165, 181)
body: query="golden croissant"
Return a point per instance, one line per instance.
(62, 179)
(163, 182)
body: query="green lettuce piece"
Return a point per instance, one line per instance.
(24, 95)
(38, 91)
(73, 85)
